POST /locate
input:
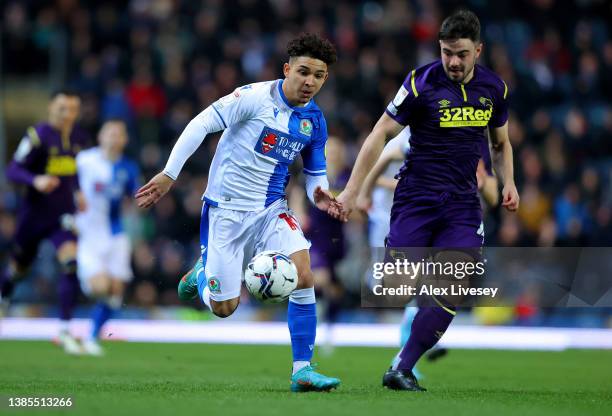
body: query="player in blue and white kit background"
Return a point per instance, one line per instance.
(266, 126)
(106, 178)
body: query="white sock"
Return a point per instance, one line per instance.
(303, 296)
(206, 297)
(298, 365)
(396, 361)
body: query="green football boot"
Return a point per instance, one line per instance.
(309, 380)
(188, 285)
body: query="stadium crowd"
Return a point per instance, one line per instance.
(157, 63)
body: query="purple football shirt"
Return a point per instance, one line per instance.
(448, 121)
(43, 150)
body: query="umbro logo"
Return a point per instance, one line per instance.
(444, 103)
(486, 102)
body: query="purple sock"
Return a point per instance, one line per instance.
(68, 293)
(428, 326)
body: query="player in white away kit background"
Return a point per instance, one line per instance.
(267, 125)
(106, 177)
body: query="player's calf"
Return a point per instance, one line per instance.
(301, 259)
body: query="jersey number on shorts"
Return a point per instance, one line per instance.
(289, 220)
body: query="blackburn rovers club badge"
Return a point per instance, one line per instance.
(214, 285)
(305, 127)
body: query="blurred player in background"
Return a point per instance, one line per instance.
(327, 237)
(449, 104)
(267, 125)
(45, 163)
(106, 178)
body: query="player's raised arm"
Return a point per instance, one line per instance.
(28, 153)
(488, 186)
(315, 175)
(223, 113)
(391, 152)
(503, 161)
(385, 129)
(191, 138)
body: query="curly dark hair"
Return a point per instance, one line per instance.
(312, 46)
(461, 24)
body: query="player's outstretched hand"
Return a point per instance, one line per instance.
(364, 202)
(510, 197)
(45, 183)
(152, 192)
(325, 201)
(347, 204)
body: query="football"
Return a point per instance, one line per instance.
(271, 277)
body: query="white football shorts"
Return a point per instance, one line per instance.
(229, 239)
(103, 254)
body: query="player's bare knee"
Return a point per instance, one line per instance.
(66, 251)
(225, 308)
(99, 286)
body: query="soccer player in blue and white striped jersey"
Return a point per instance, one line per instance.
(267, 125)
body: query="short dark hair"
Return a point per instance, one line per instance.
(312, 46)
(461, 24)
(70, 92)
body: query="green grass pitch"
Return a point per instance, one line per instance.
(197, 379)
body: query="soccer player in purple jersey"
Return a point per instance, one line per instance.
(45, 163)
(382, 178)
(448, 105)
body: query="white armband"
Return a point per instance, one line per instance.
(312, 182)
(208, 121)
